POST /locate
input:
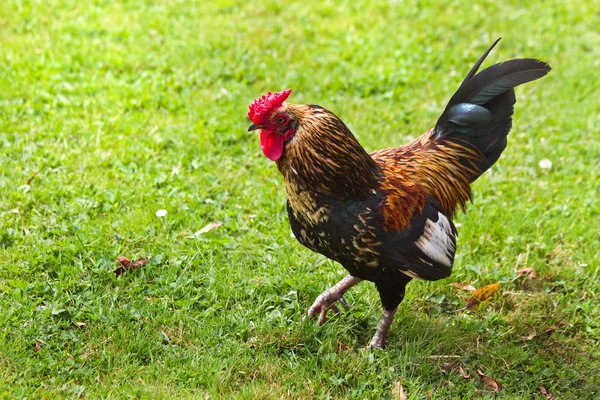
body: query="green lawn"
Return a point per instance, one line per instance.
(112, 110)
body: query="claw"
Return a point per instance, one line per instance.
(324, 310)
(344, 302)
(322, 305)
(322, 317)
(326, 300)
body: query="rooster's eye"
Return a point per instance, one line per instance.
(281, 120)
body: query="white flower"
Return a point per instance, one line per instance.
(545, 164)
(161, 213)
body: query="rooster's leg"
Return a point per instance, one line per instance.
(392, 294)
(327, 299)
(378, 341)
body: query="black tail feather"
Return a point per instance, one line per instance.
(480, 112)
(475, 68)
(497, 79)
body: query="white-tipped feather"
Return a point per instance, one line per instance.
(437, 241)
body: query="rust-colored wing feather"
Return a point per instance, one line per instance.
(427, 168)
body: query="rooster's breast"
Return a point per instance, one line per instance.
(346, 231)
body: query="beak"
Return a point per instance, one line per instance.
(254, 127)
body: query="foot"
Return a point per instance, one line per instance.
(326, 300)
(380, 337)
(377, 342)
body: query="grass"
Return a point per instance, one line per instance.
(112, 110)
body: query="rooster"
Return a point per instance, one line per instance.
(386, 217)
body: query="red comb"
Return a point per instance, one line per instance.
(263, 106)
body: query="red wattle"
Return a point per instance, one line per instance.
(271, 144)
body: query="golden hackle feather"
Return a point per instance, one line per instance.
(325, 157)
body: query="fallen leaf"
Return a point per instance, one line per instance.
(462, 373)
(489, 381)
(584, 296)
(32, 177)
(464, 286)
(546, 393)
(79, 324)
(38, 345)
(127, 264)
(208, 228)
(527, 271)
(430, 393)
(486, 292)
(532, 334)
(447, 366)
(341, 346)
(555, 326)
(472, 303)
(482, 294)
(398, 391)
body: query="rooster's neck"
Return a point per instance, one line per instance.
(324, 157)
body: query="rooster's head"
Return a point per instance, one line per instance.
(277, 126)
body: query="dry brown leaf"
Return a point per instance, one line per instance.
(482, 294)
(430, 393)
(341, 346)
(126, 264)
(546, 393)
(555, 326)
(32, 177)
(124, 261)
(532, 334)
(472, 303)
(489, 381)
(398, 392)
(527, 271)
(486, 292)
(464, 286)
(462, 373)
(38, 345)
(447, 366)
(584, 296)
(79, 324)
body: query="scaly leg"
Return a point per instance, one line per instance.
(378, 341)
(391, 293)
(327, 299)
